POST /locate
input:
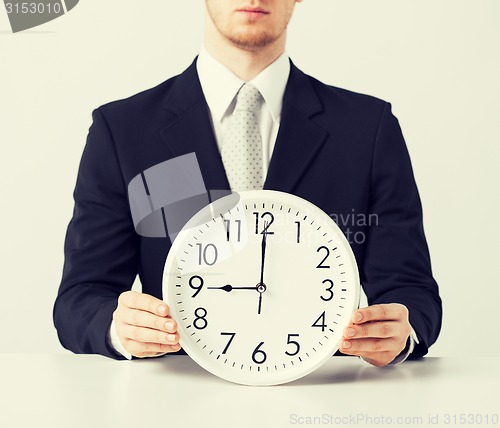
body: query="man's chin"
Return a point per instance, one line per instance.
(249, 41)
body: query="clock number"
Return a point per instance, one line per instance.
(321, 265)
(228, 229)
(321, 319)
(200, 321)
(230, 340)
(298, 231)
(192, 283)
(293, 342)
(267, 223)
(329, 290)
(203, 254)
(259, 353)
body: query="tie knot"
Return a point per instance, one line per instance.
(248, 98)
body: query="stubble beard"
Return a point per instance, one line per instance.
(248, 37)
(251, 40)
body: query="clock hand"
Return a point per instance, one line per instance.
(229, 287)
(261, 287)
(264, 238)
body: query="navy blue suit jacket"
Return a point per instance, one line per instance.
(340, 150)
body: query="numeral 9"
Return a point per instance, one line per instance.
(196, 283)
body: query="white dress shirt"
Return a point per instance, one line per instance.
(220, 86)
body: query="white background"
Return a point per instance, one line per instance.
(437, 62)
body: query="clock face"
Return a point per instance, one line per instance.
(261, 284)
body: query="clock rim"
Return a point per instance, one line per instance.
(168, 296)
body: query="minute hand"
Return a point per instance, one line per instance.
(263, 257)
(261, 287)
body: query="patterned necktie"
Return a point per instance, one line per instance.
(242, 146)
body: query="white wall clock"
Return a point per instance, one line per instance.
(262, 284)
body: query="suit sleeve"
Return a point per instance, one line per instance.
(101, 249)
(397, 267)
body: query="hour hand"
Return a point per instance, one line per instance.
(229, 287)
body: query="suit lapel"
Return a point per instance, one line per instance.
(189, 129)
(299, 138)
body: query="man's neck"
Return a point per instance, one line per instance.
(246, 64)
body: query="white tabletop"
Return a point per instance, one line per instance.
(74, 391)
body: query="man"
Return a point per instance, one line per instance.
(340, 150)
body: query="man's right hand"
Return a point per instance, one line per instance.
(144, 326)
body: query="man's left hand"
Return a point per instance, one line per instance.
(377, 333)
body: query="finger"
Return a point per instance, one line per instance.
(361, 346)
(151, 355)
(148, 335)
(379, 359)
(144, 302)
(141, 349)
(154, 354)
(375, 358)
(383, 312)
(146, 319)
(376, 329)
(149, 349)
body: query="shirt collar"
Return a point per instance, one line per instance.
(220, 85)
